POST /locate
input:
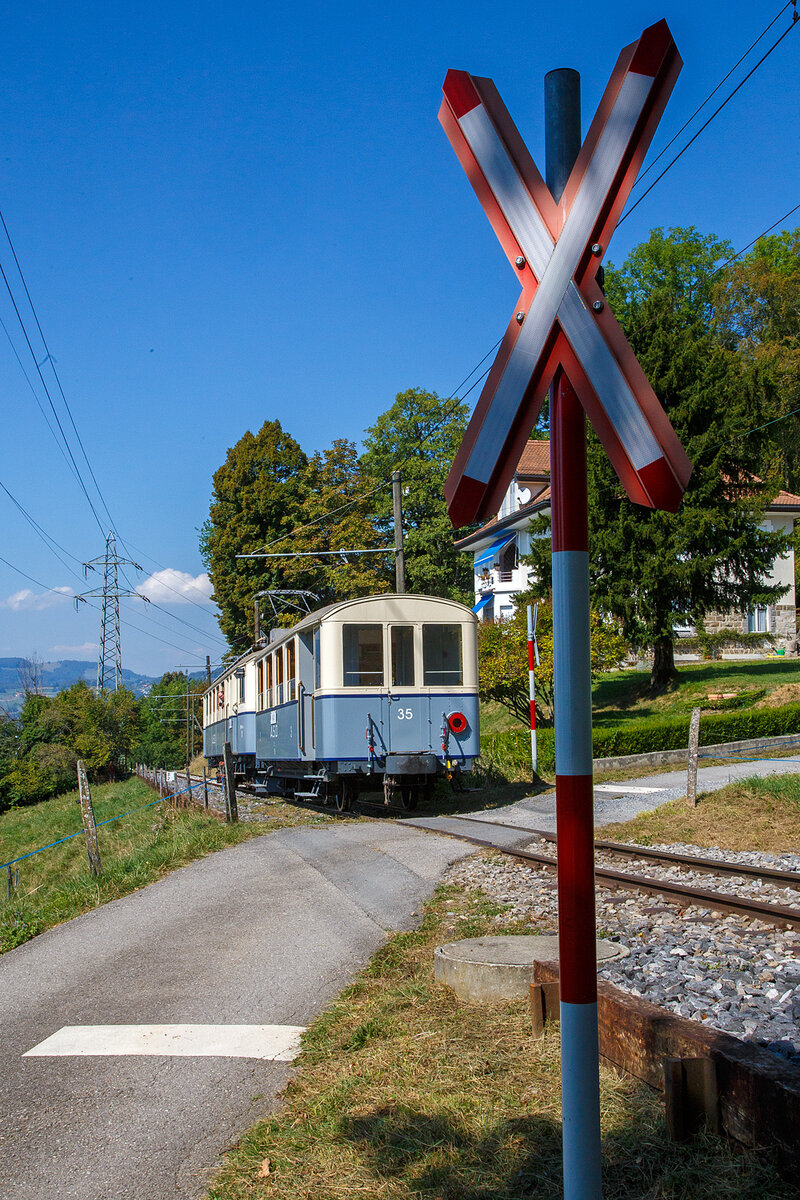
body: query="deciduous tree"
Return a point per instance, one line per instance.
(258, 499)
(419, 436)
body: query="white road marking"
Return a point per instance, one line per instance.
(280, 1043)
(625, 789)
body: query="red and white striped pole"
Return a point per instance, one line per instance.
(532, 690)
(577, 947)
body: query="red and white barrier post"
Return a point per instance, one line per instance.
(532, 660)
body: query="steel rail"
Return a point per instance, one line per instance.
(707, 866)
(772, 914)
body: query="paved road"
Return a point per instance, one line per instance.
(617, 801)
(265, 933)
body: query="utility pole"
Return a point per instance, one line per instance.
(399, 556)
(109, 656)
(189, 715)
(577, 945)
(208, 670)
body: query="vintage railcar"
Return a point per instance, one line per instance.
(377, 692)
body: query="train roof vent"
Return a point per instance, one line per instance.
(274, 634)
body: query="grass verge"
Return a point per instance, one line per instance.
(404, 1091)
(134, 851)
(753, 814)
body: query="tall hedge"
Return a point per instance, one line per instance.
(508, 754)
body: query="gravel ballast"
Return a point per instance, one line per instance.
(736, 975)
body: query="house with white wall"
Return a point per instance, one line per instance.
(498, 546)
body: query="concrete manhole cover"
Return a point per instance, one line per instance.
(501, 968)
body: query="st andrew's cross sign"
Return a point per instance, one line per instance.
(561, 319)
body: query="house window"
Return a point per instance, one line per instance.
(362, 647)
(758, 619)
(441, 656)
(509, 560)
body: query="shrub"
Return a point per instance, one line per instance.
(58, 766)
(27, 783)
(508, 755)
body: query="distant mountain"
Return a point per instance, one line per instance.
(54, 676)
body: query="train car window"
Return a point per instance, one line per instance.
(402, 642)
(279, 677)
(290, 671)
(363, 655)
(269, 680)
(260, 682)
(441, 656)
(317, 669)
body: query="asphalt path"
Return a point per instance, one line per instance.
(613, 802)
(264, 933)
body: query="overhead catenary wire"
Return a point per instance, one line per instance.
(706, 123)
(453, 400)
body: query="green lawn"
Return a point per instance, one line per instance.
(151, 840)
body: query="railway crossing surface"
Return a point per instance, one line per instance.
(176, 985)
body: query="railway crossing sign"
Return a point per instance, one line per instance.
(561, 319)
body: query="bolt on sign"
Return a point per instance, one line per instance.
(561, 319)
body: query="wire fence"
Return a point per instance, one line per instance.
(12, 876)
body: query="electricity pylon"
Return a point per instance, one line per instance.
(109, 656)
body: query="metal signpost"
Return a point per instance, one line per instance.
(563, 334)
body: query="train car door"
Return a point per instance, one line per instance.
(408, 710)
(307, 672)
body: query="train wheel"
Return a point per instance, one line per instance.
(409, 798)
(343, 797)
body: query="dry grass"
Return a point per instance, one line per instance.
(787, 693)
(754, 814)
(404, 1091)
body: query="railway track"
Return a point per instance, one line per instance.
(708, 866)
(781, 915)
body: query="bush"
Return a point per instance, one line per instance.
(58, 765)
(508, 755)
(27, 783)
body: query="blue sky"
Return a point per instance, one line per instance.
(227, 216)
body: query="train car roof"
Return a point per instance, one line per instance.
(321, 614)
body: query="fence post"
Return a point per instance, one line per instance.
(231, 810)
(694, 743)
(205, 788)
(188, 787)
(89, 827)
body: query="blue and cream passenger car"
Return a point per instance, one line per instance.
(375, 692)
